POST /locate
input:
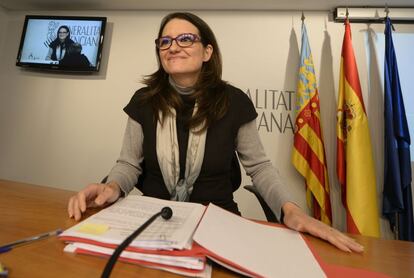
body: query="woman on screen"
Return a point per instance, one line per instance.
(186, 125)
(59, 46)
(74, 57)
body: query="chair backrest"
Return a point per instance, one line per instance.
(236, 181)
(270, 216)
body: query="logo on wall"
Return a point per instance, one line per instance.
(51, 32)
(274, 108)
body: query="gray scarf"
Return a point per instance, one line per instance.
(168, 153)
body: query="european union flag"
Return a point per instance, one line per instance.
(397, 200)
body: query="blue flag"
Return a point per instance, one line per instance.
(397, 200)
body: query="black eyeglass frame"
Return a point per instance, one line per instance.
(197, 38)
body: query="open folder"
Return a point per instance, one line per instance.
(194, 233)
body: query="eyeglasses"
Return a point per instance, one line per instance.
(182, 40)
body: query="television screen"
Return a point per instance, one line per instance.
(65, 43)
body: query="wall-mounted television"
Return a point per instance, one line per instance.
(65, 43)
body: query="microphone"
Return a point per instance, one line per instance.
(166, 213)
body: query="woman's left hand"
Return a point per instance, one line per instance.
(296, 219)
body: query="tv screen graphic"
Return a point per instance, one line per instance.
(65, 43)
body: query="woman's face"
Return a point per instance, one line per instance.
(183, 63)
(63, 33)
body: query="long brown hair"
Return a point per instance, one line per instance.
(209, 93)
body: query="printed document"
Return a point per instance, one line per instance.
(115, 223)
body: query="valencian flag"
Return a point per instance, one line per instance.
(397, 163)
(355, 165)
(308, 154)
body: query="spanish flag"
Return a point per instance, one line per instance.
(308, 154)
(355, 165)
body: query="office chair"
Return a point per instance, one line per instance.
(270, 216)
(236, 181)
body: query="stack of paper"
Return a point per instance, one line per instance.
(241, 245)
(165, 244)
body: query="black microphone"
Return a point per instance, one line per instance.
(165, 213)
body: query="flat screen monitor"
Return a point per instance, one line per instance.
(65, 43)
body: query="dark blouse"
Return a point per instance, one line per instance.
(214, 183)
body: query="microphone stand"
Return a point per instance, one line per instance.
(166, 213)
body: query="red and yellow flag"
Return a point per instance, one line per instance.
(355, 165)
(308, 155)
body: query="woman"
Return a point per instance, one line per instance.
(187, 123)
(74, 57)
(59, 46)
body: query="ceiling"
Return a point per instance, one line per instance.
(317, 5)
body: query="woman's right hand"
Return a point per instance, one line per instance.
(94, 195)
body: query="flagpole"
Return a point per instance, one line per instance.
(387, 11)
(397, 226)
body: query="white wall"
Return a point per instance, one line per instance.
(65, 130)
(3, 28)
